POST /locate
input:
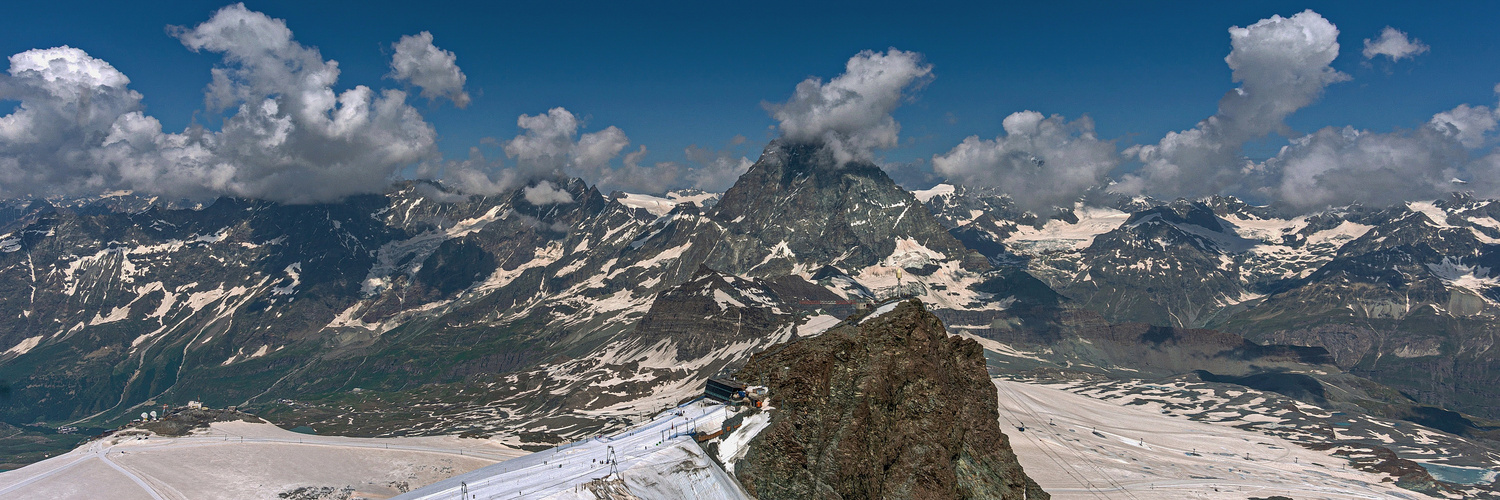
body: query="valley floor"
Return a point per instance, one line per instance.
(1077, 447)
(240, 460)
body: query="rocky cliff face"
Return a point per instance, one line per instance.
(889, 407)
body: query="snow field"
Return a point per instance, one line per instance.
(1075, 446)
(240, 460)
(658, 459)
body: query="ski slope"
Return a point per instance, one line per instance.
(1074, 446)
(658, 459)
(241, 460)
(1077, 447)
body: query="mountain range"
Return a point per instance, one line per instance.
(548, 318)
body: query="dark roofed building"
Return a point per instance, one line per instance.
(723, 389)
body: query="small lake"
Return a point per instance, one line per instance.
(1460, 475)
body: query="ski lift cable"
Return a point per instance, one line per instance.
(1107, 478)
(1063, 465)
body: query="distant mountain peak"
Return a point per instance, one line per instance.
(796, 200)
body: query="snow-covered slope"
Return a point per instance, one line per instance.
(656, 460)
(240, 460)
(660, 205)
(1080, 447)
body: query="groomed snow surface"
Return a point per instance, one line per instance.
(656, 460)
(240, 460)
(1078, 447)
(1074, 446)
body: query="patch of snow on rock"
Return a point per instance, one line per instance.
(1060, 235)
(734, 446)
(910, 253)
(725, 300)
(295, 272)
(655, 205)
(24, 346)
(880, 311)
(115, 314)
(924, 195)
(1345, 232)
(1476, 278)
(816, 325)
(1438, 217)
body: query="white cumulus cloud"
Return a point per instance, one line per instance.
(1282, 65)
(475, 175)
(551, 147)
(433, 70)
(69, 103)
(288, 135)
(1467, 124)
(545, 193)
(1040, 162)
(715, 170)
(851, 114)
(1393, 43)
(635, 177)
(1340, 165)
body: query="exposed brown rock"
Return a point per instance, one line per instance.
(892, 408)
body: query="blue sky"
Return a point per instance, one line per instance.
(670, 75)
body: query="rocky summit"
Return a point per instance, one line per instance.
(796, 205)
(886, 405)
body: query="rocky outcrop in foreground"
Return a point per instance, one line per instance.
(889, 407)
